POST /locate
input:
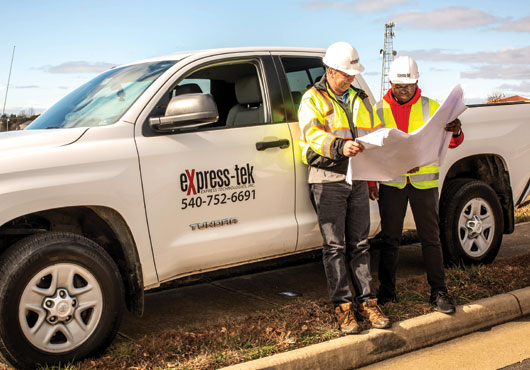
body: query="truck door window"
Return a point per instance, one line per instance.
(236, 88)
(302, 73)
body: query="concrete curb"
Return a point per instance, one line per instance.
(376, 345)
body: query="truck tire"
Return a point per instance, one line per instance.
(471, 222)
(61, 299)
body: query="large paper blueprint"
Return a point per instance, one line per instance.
(390, 152)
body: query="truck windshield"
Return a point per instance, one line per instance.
(103, 100)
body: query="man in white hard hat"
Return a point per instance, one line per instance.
(332, 114)
(403, 107)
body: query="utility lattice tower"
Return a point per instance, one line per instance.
(388, 54)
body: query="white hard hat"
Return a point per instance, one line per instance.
(343, 57)
(404, 70)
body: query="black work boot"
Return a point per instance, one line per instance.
(442, 300)
(383, 299)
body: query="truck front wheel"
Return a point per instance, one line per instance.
(471, 222)
(61, 299)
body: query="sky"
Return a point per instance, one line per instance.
(484, 45)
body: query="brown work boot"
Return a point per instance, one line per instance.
(346, 318)
(371, 311)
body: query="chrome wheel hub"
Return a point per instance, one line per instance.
(60, 307)
(474, 226)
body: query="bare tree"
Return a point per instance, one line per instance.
(495, 96)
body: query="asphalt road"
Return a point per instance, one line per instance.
(197, 304)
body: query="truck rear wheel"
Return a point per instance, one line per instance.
(61, 299)
(471, 222)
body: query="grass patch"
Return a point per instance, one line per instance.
(522, 214)
(297, 325)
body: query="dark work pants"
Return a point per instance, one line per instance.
(392, 208)
(344, 220)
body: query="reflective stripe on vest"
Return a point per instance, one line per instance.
(384, 113)
(322, 119)
(356, 109)
(420, 112)
(415, 177)
(366, 121)
(425, 109)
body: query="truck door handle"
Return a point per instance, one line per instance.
(282, 144)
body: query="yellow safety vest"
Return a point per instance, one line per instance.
(420, 112)
(323, 119)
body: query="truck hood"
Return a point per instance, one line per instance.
(31, 140)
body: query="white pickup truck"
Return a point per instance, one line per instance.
(189, 163)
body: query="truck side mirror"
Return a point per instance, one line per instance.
(188, 110)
